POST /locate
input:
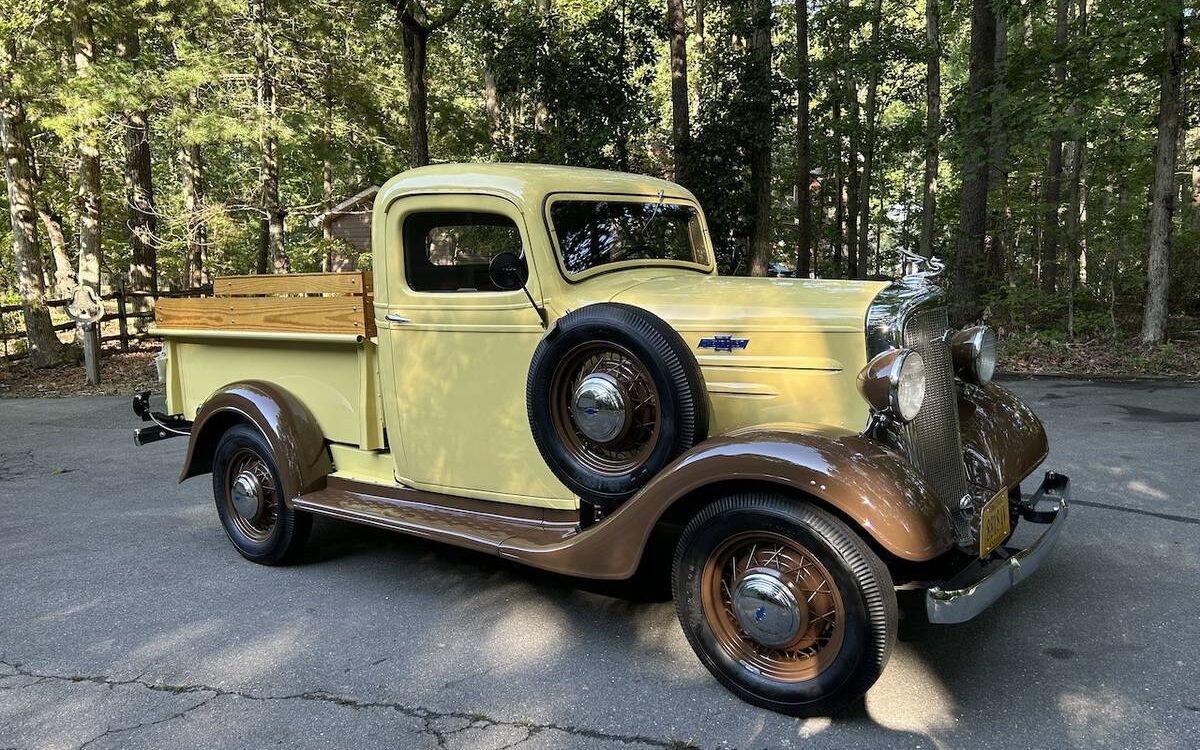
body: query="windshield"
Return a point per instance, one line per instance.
(593, 233)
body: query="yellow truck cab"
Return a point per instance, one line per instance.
(545, 365)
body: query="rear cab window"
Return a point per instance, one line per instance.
(449, 251)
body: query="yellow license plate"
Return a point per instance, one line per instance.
(993, 523)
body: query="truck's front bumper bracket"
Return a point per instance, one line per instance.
(975, 589)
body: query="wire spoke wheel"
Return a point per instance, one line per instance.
(605, 408)
(773, 607)
(251, 495)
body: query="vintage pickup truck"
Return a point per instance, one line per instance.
(546, 366)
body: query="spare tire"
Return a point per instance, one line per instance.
(614, 394)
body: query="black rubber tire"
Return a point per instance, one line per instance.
(864, 583)
(290, 533)
(683, 400)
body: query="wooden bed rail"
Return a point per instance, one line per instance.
(293, 303)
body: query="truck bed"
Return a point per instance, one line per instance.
(312, 334)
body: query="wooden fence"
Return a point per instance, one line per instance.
(114, 327)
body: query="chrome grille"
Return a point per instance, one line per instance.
(932, 439)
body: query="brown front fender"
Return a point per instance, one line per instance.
(872, 485)
(290, 429)
(1002, 439)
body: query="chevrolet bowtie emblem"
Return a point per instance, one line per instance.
(723, 343)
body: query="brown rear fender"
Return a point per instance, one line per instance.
(295, 437)
(873, 486)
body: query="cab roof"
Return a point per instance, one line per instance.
(526, 184)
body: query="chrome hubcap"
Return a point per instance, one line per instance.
(767, 610)
(599, 408)
(247, 495)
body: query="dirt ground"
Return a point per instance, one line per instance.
(121, 374)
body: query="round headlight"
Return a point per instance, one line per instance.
(974, 354)
(894, 383)
(909, 391)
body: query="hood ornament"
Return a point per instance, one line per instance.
(918, 266)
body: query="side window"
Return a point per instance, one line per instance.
(449, 251)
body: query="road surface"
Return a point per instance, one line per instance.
(128, 621)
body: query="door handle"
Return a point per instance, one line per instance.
(394, 318)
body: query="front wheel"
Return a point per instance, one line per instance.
(783, 603)
(250, 503)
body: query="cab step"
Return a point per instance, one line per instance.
(475, 524)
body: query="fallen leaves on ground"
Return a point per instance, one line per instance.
(121, 374)
(1100, 358)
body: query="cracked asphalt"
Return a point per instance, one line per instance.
(128, 621)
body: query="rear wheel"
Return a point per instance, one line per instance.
(783, 603)
(250, 504)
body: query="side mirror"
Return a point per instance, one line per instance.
(508, 271)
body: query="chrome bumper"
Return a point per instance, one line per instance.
(976, 588)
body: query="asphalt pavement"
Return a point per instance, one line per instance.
(128, 621)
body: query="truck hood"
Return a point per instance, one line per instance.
(694, 302)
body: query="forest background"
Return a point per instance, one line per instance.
(1048, 150)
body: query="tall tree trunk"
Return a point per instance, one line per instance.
(681, 130)
(191, 172)
(1186, 168)
(803, 139)
(541, 115)
(1076, 187)
(1154, 321)
(271, 241)
(191, 169)
(839, 203)
(45, 350)
(969, 260)
(852, 181)
(997, 244)
(864, 185)
(760, 147)
(56, 233)
(416, 45)
(56, 230)
(491, 100)
(1195, 221)
(933, 124)
(852, 115)
(327, 259)
(1194, 193)
(416, 27)
(139, 187)
(1052, 197)
(90, 252)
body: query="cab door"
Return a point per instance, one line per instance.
(460, 350)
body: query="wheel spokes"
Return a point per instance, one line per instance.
(818, 637)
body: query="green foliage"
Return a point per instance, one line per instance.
(588, 83)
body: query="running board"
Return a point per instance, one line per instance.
(475, 524)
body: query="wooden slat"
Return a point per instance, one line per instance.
(290, 283)
(16, 335)
(284, 314)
